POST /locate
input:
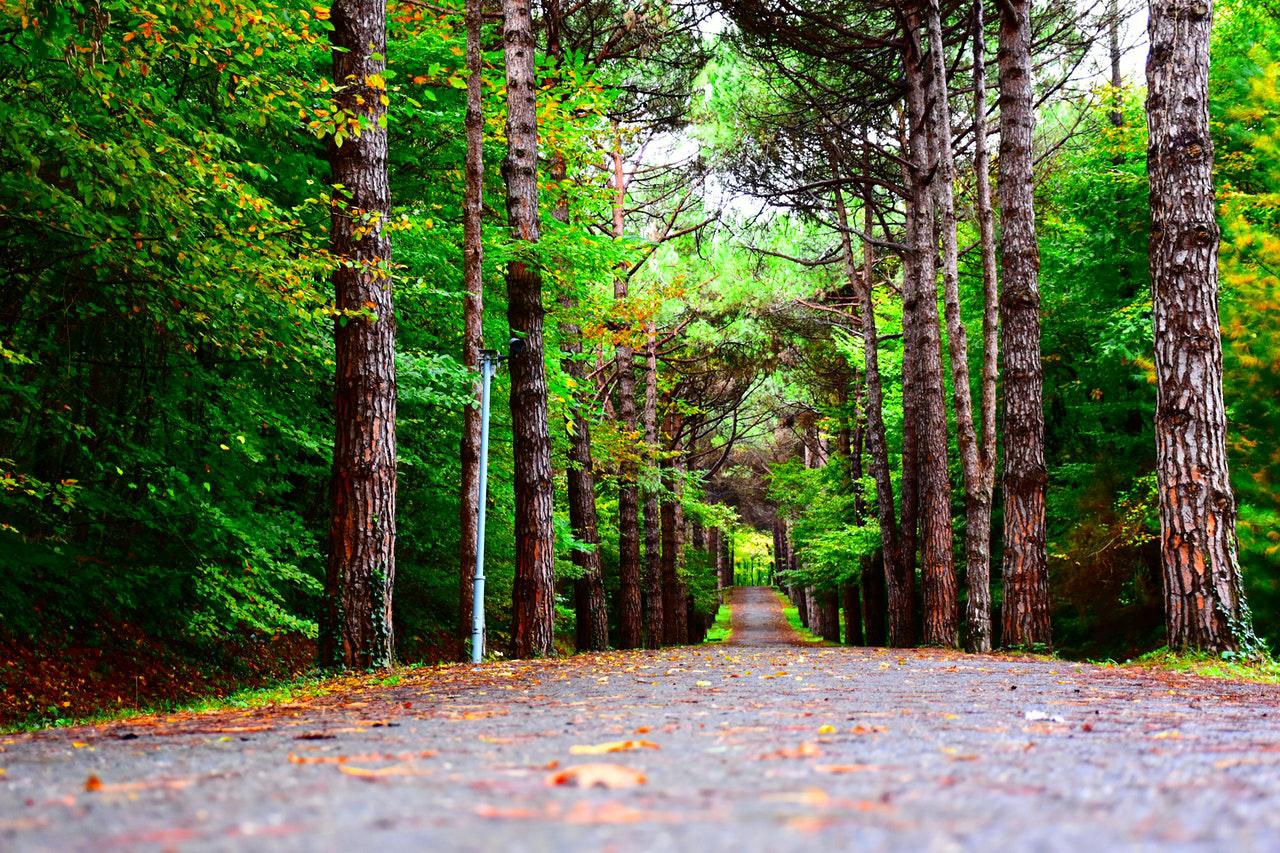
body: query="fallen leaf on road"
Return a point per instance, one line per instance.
(807, 797)
(367, 756)
(485, 810)
(1168, 734)
(612, 746)
(804, 750)
(597, 776)
(382, 772)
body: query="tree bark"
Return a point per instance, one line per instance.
(830, 605)
(977, 530)
(1204, 597)
(851, 601)
(1026, 579)
(681, 593)
(978, 510)
(874, 602)
(630, 610)
(713, 556)
(1113, 44)
(533, 593)
(920, 311)
(654, 621)
(472, 317)
(356, 626)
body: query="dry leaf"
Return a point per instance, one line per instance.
(612, 746)
(381, 772)
(804, 750)
(597, 776)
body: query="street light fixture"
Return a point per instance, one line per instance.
(489, 361)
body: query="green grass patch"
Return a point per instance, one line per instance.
(1260, 670)
(792, 613)
(722, 628)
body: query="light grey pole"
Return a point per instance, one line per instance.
(488, 366)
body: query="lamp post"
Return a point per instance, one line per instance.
(489, 361)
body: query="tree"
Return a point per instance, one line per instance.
(1204, 599)
(655, 614)
(978, 501)
(630, 581)
(927, 405)
(1026, 575)
(362, 533)
(592, 622)
(472, 315)
(533, 594)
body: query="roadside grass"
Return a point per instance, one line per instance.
(792, 613)
(722, 628)
(1263, 670)
(300, 689)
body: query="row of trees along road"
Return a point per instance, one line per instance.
(818, 271)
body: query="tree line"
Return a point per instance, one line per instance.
(256, 254)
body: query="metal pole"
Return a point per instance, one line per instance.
(488, 363)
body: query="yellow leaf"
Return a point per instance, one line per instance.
(612, 746)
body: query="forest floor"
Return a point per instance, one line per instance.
(762, 743)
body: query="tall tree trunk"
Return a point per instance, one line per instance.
(357, 627)
(899, 578)
(1026, 577)
(713, 556)
(830, 605)
(978, 509)
(672, 598)
(630, 610)
(681, 594)
(874, 601)
(472, 316)
(1204, 598)
(909, 530)
(591, 618)
(592, 622)
(940, 622)
(726, 558)
(977, 530)
(533, 593)
(779, 546)
(1113, 43)
(852, 604)
(654, 621)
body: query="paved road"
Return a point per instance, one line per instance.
(762, 744)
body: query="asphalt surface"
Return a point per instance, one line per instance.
(764, 743)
